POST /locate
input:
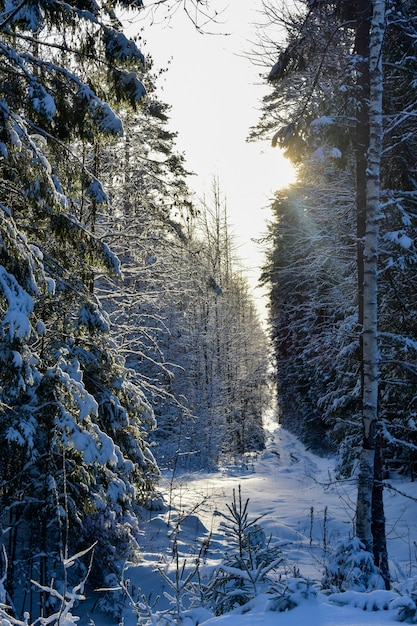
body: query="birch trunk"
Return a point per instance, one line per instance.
(363, 12)
(370, 357)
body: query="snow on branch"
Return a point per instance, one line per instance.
(78, 408)
(100, 111)
(20, 139)
(41, 101)
(128, 83)
(20, 306)
(406, 343)
(32, 17)
(120, 47)
(76, 230)
(399, 237)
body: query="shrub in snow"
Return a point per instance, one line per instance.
(179, 593)
(61, 600)
(352, 567)
(178, 590)
(378, 600)
(291, 593)
(249, 561)
(406, 603)
(114, 599)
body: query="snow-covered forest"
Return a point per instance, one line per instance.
(133, 361)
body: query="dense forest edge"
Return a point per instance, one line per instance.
(129, 341)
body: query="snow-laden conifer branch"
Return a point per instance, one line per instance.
(22, 141)
(19, 307)
(126, 82)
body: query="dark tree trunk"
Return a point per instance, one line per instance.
(378, 518)
(362, 41)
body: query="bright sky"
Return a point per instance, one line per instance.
(215, 93)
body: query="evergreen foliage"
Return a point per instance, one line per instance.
(92, 343)
(74, 462)
(351, 568)
(311, 271)
(311, 112)
(219, 348)
(249, 563)
(182, 315)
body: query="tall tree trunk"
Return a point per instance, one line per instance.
(366, 476)
(370, 357)
(378, 518)
(373, 200)
(363, 9)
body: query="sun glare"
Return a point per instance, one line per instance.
(276, 170)
(215, 94)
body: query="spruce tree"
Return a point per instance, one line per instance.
(74, 462)
(324, 71)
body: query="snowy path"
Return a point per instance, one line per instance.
(300, 503)
(288, 486)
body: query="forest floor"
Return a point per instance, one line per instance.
(300, 503)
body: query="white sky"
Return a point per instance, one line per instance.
(215, 93)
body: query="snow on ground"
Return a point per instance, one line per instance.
(300, 503)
